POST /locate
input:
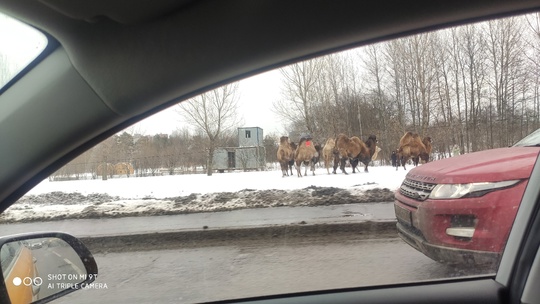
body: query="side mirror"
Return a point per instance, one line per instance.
(40, 267)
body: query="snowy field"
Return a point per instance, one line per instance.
(177, 194)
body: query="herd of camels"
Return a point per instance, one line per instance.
(337, 151)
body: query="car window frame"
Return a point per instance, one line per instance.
(527, 227)
(50, 45)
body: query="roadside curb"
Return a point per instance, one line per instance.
(228, 236)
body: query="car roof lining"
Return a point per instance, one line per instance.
(227, 49)
(93, 11)
(112, 56)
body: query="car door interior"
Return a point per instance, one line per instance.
(332, 27)
(520, 264)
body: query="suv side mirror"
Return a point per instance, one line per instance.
(40, 267)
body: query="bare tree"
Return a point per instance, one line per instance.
(504, 47)
(340, 96)
(213, 113)
(533, 56)
(299, 91)
(374, 66)
(473, 71)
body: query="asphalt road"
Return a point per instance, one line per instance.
(58, 266)
(244, 218)
(226, 255)
(282, 265)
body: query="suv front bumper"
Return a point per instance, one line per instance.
(446, 255)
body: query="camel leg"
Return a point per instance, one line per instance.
(404, 163)
(336, 162)
(342, 166)
(327, 165)
(290, 165)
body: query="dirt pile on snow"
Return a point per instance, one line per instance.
(60, 205)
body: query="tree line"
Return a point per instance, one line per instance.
(474, 86)
(178, 153)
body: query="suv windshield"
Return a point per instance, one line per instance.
(532, 139)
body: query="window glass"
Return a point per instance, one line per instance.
(532, 139)
(20, 44)
(8, 253)
(367, 167)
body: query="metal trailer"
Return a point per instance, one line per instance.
(239, 158)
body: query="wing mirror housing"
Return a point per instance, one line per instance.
(41, 267)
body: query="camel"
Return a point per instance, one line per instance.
(368, 151)
(284, 155)
(362, 155)
(406, 138)
(427, 143)
(328, 153)
(306, 154)
(291, 162)
(317, 156)
(345, 149)
(412, 148)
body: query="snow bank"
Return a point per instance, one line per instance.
(162, 195)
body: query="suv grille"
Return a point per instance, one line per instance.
(415, 189)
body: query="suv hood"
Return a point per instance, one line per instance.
(483, 166)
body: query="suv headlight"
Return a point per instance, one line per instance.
(448, 191)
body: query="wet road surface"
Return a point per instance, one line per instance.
(187, 275)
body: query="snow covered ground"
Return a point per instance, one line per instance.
(200, 193)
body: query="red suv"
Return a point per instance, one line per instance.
(461, 209)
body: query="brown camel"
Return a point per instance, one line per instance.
(345, 149)
(368, 150)
(305, 154)
(284, 155)
(291, 162)
(413, 148)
